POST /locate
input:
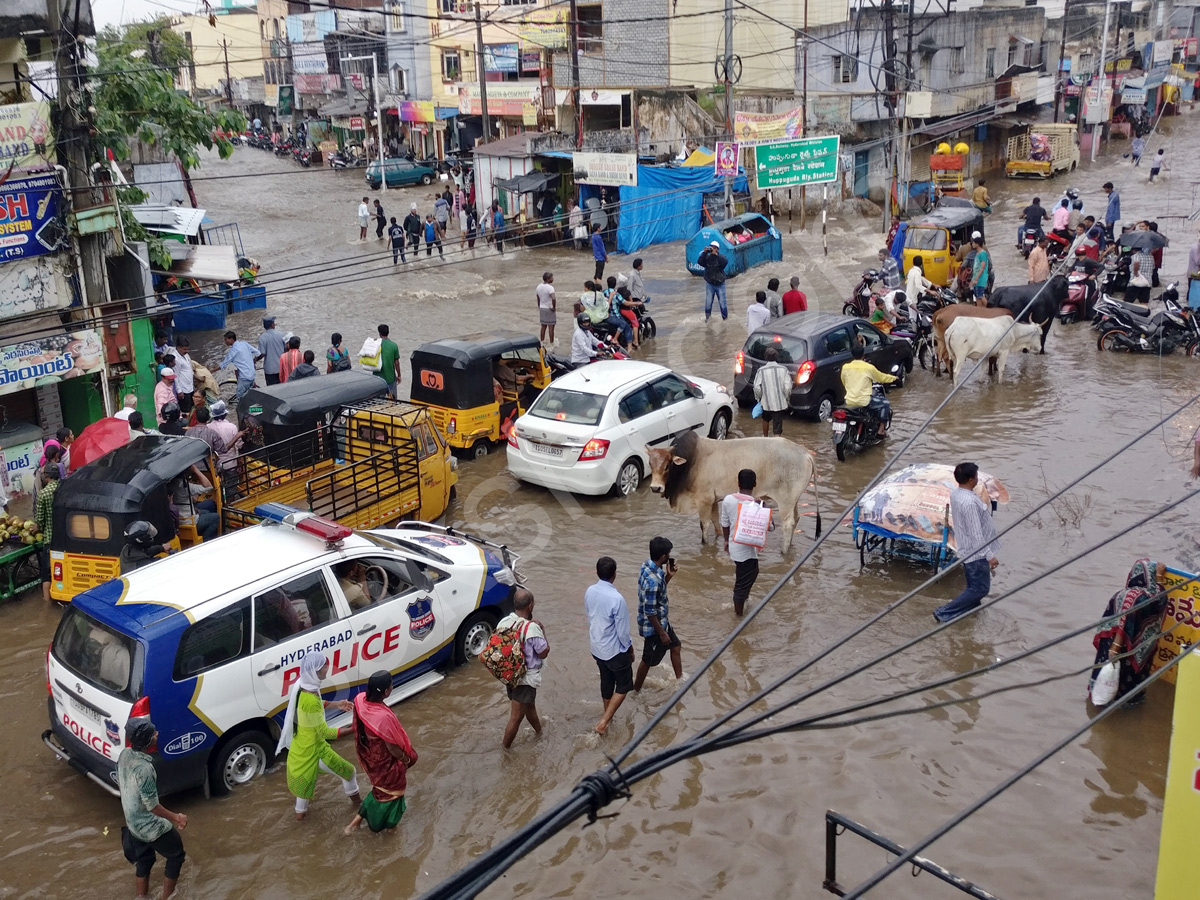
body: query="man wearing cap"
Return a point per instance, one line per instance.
(164, 392)
(227, 432)
(270, 347)
(150, 827)
(241, 355)
(714, 265)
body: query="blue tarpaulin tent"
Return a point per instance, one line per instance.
(666, 204)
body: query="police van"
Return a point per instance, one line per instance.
(208, 642)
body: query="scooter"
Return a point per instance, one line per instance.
(1160, 333)
(646, 328)
(561, 365)
(1078, 299)
(1029, 242)
(338, 161)
(857, 427)
(860, 301)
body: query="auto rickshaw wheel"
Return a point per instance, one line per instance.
(480, 448)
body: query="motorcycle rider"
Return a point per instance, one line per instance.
(139, 549)
(857, 377)
(916, 283)
(1087, 267)
(584, 346)
(1035, 214)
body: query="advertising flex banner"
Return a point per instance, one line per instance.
(29, 217)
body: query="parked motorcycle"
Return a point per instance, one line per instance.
(917, 327)
(857, 427)
(1078, 299)
(860, 301)
(1159, 333)
(1116, 274)
(561, 365)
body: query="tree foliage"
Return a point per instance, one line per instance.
(152, 41)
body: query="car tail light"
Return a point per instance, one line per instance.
(327, 530)
(805, 372)
(594, 449)
(839, 415)
(512, 437)
(739, 363)
(452, 426)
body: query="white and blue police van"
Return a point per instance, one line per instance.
(208, 642)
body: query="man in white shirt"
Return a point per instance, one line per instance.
(744, 556)
(130, 401)
(547, 302)
(584, 346)
(916, 282)
(773, 388)
(185, 382)
(758, 314)
(974, 540)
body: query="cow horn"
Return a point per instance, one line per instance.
(1040, 324)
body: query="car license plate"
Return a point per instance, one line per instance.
(547, 449)
(79, 706)
(839, 427)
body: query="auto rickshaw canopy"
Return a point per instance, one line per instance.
(120, 481)
(953, 217)
(302, 402)
(457, 372)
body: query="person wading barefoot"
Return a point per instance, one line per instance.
(386, 755)
(608, 632)
(523, 694)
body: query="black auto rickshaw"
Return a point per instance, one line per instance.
(285, 417)
(477, 386)
(937, 236)
(160, 479)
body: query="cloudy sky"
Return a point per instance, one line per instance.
(119, 12)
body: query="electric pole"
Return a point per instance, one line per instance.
(228, 83)
(480, 67)
(1100, 83)
(889, 73)
(378, 111)
(573, 37)
(1060, 79)
(804, 122)
(729, 98)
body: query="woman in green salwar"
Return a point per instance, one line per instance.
(305, 735)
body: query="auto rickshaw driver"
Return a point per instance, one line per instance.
(188, 509)
(509, 380)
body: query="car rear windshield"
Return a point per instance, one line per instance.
(102, 657)
(790, 349)
(563, 405)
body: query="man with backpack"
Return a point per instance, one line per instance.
(396, 234)
(526, 637)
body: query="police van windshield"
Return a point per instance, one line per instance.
(100, 656)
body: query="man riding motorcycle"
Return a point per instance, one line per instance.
(857, 377)
(584, 346)
(1035, 214)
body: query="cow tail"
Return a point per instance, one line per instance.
(816, 497)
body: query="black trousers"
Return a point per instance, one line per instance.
(141, 853)
(599, 270)
(746, 574)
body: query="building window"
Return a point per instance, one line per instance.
(1086, 65)
(1043, 53)
(262, 28)
(456, 6)
(275, 27)
(958, 64)
(845, 69)
(451, 65)
(399, 80)
(518, 2)
(590, 29)
(397, 16)
(989, 68)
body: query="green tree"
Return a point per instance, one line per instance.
(152, 41)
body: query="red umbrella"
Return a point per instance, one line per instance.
(97, 439)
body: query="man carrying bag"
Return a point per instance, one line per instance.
(745, 521)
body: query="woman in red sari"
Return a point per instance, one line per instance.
(385, 752)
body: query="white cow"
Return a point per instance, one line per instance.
(969, 339)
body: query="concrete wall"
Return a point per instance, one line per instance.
(239, 30)
(630, 54)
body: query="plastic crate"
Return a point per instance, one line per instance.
(251, 296)
(203, 313)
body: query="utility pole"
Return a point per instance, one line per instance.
(378, 111)
(804, 120)
(1060, 79)
(889, 72)
(480, 68)
(228, 83)
(729, 98)
(573, 37)
(1100, 84)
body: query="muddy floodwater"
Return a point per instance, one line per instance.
(747, 821)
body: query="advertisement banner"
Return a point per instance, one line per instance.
(545, 28)
(271, 94)
(529, 114)
(29, 223)
(50, 360)
(787, 163)
(758, 128)
(1181, 620)
(1176, 876)
(503, 99)
(26, 141)
(287, 100)
(306, 28)
(309, 59)
(314, 84)
(1163, 51)
(726, 159)
(619, 169)
(1097, 104)
(531, 62)
(501, 58)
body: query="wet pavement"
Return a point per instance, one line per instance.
(1085, 824)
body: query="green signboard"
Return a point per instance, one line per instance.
(788, 163)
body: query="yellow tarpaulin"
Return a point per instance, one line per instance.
(700, 157)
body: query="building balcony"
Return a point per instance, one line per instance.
(457, 9)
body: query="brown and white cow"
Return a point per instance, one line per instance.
(941, 321)
(696, 473)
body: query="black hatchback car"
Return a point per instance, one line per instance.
(814, 347)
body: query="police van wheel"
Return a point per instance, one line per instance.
(243, 758)
(473, 636)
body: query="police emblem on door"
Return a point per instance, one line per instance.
(420, 615)
(111, 732)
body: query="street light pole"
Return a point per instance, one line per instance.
(378, 112)
(1100, 86)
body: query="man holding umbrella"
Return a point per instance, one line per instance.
(1143, 243)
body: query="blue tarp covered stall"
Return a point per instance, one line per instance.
(666, 204)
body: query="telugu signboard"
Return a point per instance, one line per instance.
(26, 141)
(726, 159)
(49, 360)
(29, 222)
(613, 169)
(788, 163)
(545, 28)
(758, 128)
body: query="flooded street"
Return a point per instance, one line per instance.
(748, 820)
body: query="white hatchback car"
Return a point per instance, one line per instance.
(587, 432)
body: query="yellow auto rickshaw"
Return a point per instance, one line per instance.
(160, 479)
(936, 238)
(477, 386)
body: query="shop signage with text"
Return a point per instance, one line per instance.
(787, 163)
(29, 224)
(49, 360)
(26, 141)
(757, 128)
(613, 169)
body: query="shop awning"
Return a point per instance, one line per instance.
(169, 219)
(530, 183)
(958, 123)
(216, 262)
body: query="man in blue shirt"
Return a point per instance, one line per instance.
(599, 253)
(611, 644)
(660, 637)
(240, 355)
(271, 346)
(1112, 213)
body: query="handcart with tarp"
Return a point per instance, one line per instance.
(907, 514)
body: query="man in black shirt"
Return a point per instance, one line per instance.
(1034, 215)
